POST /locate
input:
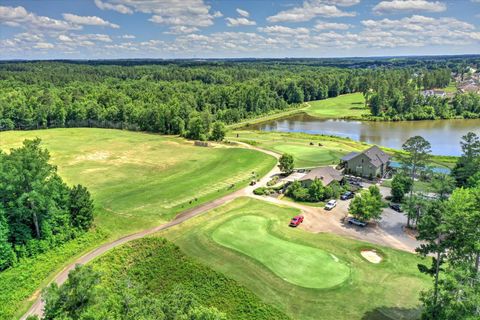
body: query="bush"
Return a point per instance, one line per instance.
(261, 191)
(273, 181)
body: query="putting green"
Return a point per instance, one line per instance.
(298, 264)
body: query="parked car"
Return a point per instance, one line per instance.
(347, 195)
(357, 222)
(253, 182)
(396, 207)
(357, 183)
(331, 204)
(296, 221)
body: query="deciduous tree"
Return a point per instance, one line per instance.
(286, 163)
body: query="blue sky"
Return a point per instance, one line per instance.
(104, 29)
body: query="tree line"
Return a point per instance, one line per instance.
(37, 209)
(448, 226)
(159, 98)
(187, 99)
(400, 95)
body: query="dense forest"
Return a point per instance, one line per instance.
(187, 98)
(37, 209)
(399, 95)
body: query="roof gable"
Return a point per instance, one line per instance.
(325, 174)
(374, 154)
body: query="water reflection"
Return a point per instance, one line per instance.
(444, 135)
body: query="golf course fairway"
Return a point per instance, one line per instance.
(296, 263)
(137, 181)
(251, 242)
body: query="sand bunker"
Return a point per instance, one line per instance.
(372, 256)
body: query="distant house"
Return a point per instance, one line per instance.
(325, 174)
(370, 163)
(470, 87)
(434, 93)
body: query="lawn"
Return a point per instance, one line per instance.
(304, 147)
(313, 150)
(156, 267)
(141, 180)
(137, 181)
(250, 241)
(451, 88)
(351, 106)
(310, 268)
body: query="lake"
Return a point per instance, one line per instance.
(444, 135)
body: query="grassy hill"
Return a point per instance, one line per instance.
(137, 181)
(141, 180)
(344, 106)
(157, 267)
(306, 275)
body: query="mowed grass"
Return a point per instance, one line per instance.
(137, 181)
(308, 150)
(388, 290)
(298, 264)
(313, 150)
(140, 180)
(345, 106)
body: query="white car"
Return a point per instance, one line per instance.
(331, 204)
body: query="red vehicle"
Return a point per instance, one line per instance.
(296, 221)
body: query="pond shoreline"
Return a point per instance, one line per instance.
(444, 135)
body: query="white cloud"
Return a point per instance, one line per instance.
(20, 17)
(127, 36)
(236, 22)
(283, 30)
(64, 38)
(419, 30)
(217, 14)
(396, 6)
(194, 13)
(43, 45)
(115, 7)
(181, 30)
(323, 25)
(342, 3)
(89, 20)
(243, 13)
(94, 37)
(311, 9)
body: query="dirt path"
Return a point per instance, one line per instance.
(317, 220)
(60, 278)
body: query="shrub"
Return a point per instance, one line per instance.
(260, 191)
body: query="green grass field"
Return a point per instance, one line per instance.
(314, 268)
(299, 145)
(307, 152)
(140, 180)
(226, 239)
(137, 181)
(351, 106)
(156, 267)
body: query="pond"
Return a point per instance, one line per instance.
(444, 135)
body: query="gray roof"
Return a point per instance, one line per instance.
(325, 174)
(350, 156)
(377, 156)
